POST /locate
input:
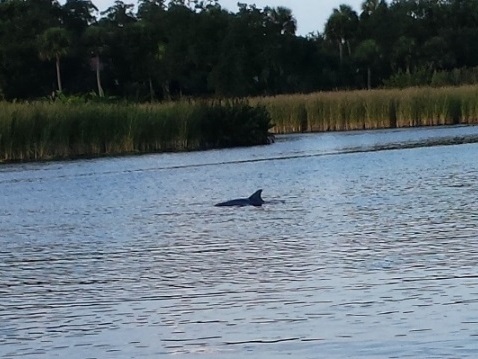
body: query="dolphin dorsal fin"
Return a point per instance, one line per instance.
(256, 199)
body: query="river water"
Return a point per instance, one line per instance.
(369, 249)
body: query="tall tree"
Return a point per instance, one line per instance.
(436, 54)
(79, 14)
(21, 21)
(120, 14)
(238, 68)
(142, 52)
(367, 53)
(404, 54)
(149, 10)
(341, 26)
(369, 7)
(54, 44)
(96, 39)
(282, 19)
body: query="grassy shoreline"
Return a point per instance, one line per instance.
(375, 109)
(47, 131)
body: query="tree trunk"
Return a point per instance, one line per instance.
(98, 78)
(166, 94)
(58, 74)
(151, 90)
(369, 78)
(341, 51)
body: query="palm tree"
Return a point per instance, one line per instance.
(283, 19)
(367, 53)
(369, 6)
(95, 38)
(341, 26)
(54, 43)
(404, 52)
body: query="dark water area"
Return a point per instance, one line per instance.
(369, 250)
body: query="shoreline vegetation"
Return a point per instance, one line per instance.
(372, 109)
(41, 131)
(60, 130)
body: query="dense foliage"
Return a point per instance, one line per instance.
(168, 49)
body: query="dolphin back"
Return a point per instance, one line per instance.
(254, 200)
(240, 202)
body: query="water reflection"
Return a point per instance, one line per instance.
(371, 254)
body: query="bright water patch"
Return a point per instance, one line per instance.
(372, 254)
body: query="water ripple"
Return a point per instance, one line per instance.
(362, 254)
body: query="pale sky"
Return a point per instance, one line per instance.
(311, 15)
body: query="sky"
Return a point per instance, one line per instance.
(311, 15)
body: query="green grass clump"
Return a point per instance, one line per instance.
(355, 110)
(42, 131)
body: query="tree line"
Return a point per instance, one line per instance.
(194, 48)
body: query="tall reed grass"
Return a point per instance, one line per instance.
(355, 110)
(41, 131)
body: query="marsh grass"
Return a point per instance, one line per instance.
(42, 131)
(355, 110)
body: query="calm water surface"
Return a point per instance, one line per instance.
(373, 253)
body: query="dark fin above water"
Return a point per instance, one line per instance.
(255, 199)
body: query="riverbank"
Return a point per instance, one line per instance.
(375, 109)
(46, 131)
(62, 130)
